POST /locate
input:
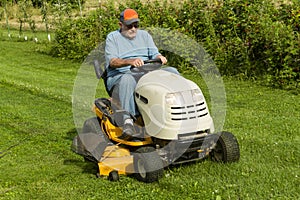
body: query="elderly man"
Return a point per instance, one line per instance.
(125, 48)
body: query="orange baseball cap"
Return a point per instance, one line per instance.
(129, 16)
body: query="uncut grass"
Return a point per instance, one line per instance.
(22, 67)
(266, 123)
(39, 129)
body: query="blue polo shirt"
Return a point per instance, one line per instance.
(118, 46)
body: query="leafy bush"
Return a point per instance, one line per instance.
(76, 38)
(246, 38)
(39, 3)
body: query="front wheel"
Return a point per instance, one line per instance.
(227, 148)
(113, 176)
(148, 165)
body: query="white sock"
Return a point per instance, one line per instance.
(128, 121)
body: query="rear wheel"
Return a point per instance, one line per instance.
(93, 140)
(80, 145)
(227, 148)
(148, 165)
(92, 125)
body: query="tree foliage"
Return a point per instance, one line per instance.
(248, 39)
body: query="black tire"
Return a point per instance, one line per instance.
(92, 125)
(89, 159)
(148, 165)
(92, 141)
(227, 148)
(98, 175)
(113, 176)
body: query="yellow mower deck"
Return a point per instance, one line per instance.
(116, 158)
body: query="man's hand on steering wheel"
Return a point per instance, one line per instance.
(137, 62)
(163, 59)
(149, 65)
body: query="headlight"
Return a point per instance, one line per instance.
(174, 99)
(197, 95)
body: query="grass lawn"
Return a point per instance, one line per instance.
(37, 128)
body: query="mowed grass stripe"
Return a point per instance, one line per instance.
(39, 129)
(22, 66)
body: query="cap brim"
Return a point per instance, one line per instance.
(127, 22)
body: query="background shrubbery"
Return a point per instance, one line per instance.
(245, 38)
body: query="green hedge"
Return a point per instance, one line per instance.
(246, 38)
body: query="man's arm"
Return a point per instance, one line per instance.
(153, 50)
(136, 62)
(118, 62)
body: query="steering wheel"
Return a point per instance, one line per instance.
(149, 65)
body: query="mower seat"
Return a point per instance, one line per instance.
(106, 105)
(101, 74)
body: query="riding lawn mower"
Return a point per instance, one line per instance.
(174, 127)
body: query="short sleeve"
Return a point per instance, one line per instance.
(110, 49)
(152, 49)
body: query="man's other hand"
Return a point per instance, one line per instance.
(163, 59)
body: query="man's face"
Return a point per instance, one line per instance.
(130, 30)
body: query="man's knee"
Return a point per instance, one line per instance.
(127, 80)
(171, 69)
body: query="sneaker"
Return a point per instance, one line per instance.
(128, 131)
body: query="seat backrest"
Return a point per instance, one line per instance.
(101, 74)
(98, 70)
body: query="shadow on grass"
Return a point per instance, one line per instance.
(86, 166)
